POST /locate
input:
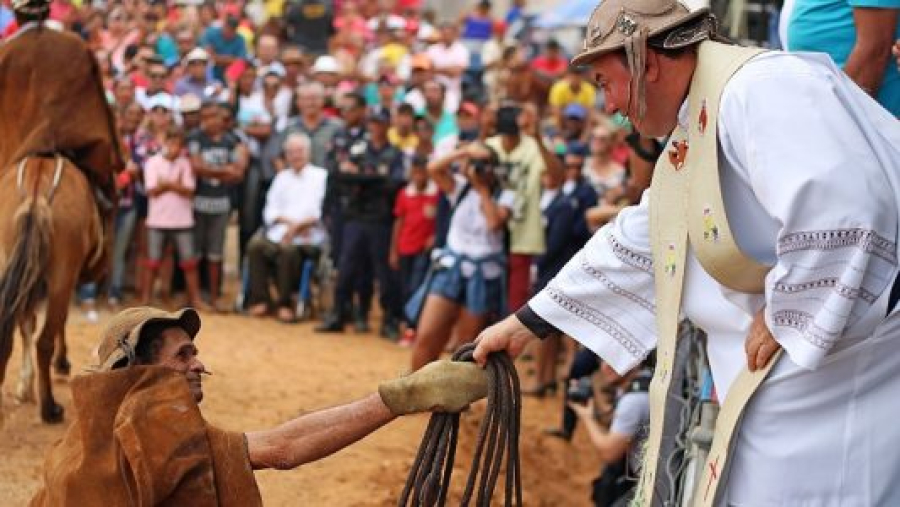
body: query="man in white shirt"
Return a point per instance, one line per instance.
(809, 169)
(450, 59)
(293, 230)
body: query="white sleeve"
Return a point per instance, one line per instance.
(810, 163)
(271, 211)
(604, 296)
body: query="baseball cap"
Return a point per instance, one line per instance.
(120, 339)
(325, 63)
(163, 100)
(380, 114)
(575, 110)
(189, 103)
(197, 55)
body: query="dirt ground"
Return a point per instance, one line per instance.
(265, 373)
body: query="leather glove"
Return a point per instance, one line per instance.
(441, 386)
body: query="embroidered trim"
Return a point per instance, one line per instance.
(603, 322)
(628, 256)
(827, 283)
(615, 289)
(867, 240)
(803, 322)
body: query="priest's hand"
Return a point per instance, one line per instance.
(509, 334)
(760, 344)
(441, 386)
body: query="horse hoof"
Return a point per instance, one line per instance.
(63, 367)
(53, 414)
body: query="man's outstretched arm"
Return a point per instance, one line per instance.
(313, 436)
(442, 386)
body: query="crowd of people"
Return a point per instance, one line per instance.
(454, 165)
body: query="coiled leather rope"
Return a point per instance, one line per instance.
(498, 438)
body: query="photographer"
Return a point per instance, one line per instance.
(620, 446)
(466, 285)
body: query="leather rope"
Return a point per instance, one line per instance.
(498, 438)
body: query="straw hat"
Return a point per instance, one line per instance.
(123, 333)
(629, 24)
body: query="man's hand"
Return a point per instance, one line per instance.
(509, 334)
(760, 344)
(394, 260)
(585, 411)
(441, 386)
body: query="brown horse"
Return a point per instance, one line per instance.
(50, 234)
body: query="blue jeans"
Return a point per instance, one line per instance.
(125, 222)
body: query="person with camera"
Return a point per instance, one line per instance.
(466, 285)
(620, 445)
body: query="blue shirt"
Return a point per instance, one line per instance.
(826, 26)
(235, 47)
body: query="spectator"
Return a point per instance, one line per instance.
(170, 184)
(118, 36)
(185, 41)
(225, 45)
(571, 89)
(467, 287)
(450, 60)
(326, 72)
(551, 64)
(857, 35)
(516, 11)
(189, 107)
(621, 446)
(123, 94)
(275, 97)
(572, 128)
(492, 60)
(157, 84)
(196, 79)
(162, 42)
(368, 181)
(128, 121)
(420, 73)
(309, 24)
(219, 161)
(309, 119)
(467, 119)
(521, 167)
(267, 52)
(560, 220)
(293, 230)
(606, 176)
(294, 66)
(578, 188)
(413, 237)
(477, 25)
(402, 132)
(443, 120)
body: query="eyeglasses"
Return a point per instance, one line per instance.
(292, 62)
(156, 75)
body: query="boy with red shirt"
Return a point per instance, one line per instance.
(413, 236)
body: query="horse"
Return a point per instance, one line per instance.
(50, 235)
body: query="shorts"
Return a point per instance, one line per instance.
(183, 239)
(209, 230)
(477, 295)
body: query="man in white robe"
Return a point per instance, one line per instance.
(810, 176)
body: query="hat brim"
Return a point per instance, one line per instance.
(590, 55)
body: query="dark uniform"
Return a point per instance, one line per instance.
(366, 200)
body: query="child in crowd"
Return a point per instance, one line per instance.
(413, 236)
(170, 184)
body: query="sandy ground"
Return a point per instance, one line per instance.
(265, 373)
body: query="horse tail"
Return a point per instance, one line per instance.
(23, 283)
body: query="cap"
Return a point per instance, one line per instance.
(420, 61)
(197, 55)
(273, 69)
(123, 333)
(614, 22)
(163, 100)
(468, 108)
(380, 114)
(189, 103)
(31, 7)
(575, 110)
(325, 63)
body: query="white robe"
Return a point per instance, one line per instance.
(810, 170)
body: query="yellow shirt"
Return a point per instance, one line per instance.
(525, 165)
(406, 144)
(561, 94)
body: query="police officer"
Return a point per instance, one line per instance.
(366, 182)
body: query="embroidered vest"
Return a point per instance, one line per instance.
(686, 208)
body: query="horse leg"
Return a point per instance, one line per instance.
(51, 412)
(61, 363)
(25, 389)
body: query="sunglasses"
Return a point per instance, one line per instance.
(157, 76)
(292, 62)
(159, 109)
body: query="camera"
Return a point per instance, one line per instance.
(481, 166)
(580, 391)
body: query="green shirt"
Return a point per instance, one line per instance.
(520, 171)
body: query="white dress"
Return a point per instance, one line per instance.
(810, 170)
